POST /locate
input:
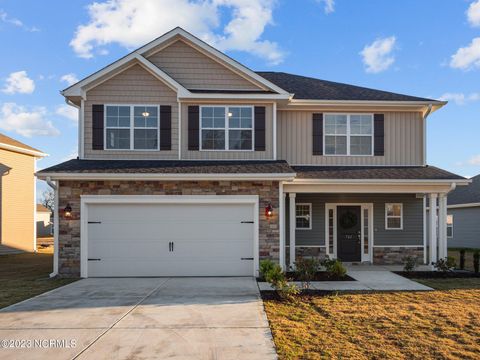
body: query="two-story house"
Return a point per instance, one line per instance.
(191, 164)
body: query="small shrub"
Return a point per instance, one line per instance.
(334, 267)
(476, 260)
(462, 259)
(410, 263)
(305, 270)
(276, 277)
(287, 291)
(451, 263)
(265, 267)
(443, 265)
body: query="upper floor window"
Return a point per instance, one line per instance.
(348, 134)
(226, 128)
(131, 127)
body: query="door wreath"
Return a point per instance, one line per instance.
(348, 220)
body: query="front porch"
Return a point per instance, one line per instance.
(363, 222)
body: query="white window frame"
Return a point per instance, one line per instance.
(227, 127)
(309, 216)
(450, 225)
(348, 134)
(131, 128)
(394, 217)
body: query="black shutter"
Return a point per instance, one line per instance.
(259, 128)
(97, 127)
(193, 127)
(317, 131)
(165, 127)
(379, 135)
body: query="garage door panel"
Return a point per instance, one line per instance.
(134, 239)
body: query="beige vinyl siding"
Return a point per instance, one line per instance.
(403, 141)
(17, 203)
(195, 70)
(229, 155)
(133, 86)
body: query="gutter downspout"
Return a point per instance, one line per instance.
(54, 186)
(425, 116)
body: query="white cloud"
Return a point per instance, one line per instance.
(473, 13)
(460, 98)
(68, 112)
(70, 79)
(474, 160)
(26, 122)
(19, 82)
(4, 17)
(329, 5)
(378, 56)
(467, 57)
(132, 23)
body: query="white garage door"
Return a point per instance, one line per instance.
(170, 239)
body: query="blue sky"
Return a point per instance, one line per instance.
(427, 48)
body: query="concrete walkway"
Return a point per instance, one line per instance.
(145, 318)
(366, 280)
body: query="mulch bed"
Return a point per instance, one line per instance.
(304, 295)
(319, 276)
(437, 274)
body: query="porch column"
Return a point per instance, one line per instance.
(292, 228)
(442, 226)
(433, 228)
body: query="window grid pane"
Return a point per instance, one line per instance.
(393, 216)
(302, 214)
(365, 231)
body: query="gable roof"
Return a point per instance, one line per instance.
(466, 194)
(77, 88)
(304, 87)
(11, 144)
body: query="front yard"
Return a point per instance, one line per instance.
(25, 275)
(394, 325)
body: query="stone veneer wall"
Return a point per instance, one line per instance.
(393, 255)
(70, 191)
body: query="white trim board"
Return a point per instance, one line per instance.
(21, 150)
(163, 177)
(85, 200)
(460, 206)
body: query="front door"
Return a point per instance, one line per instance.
(349, 227)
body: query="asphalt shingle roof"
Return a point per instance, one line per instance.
(466, 194)
(374, 173)
(170, 167)
(315, 89)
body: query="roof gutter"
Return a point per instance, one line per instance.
(21, 150)
(165, 177)
(453, 182)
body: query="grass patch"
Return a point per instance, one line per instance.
(25, 275)
(451, 284)
(395, 325)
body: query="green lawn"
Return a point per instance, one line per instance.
(25, 275)
(451, 284)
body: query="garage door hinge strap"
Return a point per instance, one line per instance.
(246, 222)
(246, 258)
(94, 222)
(94, 259)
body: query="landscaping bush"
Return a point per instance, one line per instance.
(305, 270)
(265, 267)
(410, 263)
(334, 267)
(444, 265)
(476, 260)
(274, 275)
(462, 259)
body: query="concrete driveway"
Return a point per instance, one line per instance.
(141, 318)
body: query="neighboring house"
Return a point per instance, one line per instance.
(17, 194)
(192, 164)
(44, 224)
(463, 219)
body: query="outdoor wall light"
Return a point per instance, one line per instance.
(268, 210)
(67, 211)
(145, 114)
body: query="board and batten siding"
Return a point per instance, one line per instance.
(133, 86)
(403, 141)
(17, 200)
(228, 155)
(195, 70)
(412, 233)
